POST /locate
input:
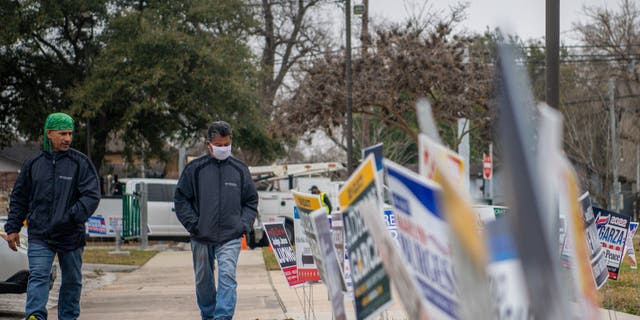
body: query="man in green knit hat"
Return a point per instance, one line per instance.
(56, 192)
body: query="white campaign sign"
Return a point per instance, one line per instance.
(423, 235)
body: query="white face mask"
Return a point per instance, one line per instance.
(221, 153)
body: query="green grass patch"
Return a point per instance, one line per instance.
(624, 294)
(102, 256)
(270, 261)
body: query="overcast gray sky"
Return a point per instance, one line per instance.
(522, 17)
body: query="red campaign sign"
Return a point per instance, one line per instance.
(487, 167)
(306, 274)
(291, 274)
(283, 251)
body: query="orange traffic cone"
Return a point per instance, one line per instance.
(244, 243)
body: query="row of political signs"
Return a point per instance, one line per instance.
(348, 250)
(360, 251)
(445, 260)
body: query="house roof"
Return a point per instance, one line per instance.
(19, 152)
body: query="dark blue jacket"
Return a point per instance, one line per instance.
(56, 193)
(216, 200)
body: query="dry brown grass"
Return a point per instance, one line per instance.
(102, 256)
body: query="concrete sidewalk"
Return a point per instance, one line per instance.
(164, 289)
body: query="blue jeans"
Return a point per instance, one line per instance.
(213, 304)
(40, 264)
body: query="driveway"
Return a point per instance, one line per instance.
(93, 277)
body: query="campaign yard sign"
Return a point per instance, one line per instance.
(337, 234)
(277, 235)
(115, 223)
(595, 250)
(360, 198)
(305, 204)
(508, 288)
(424, 238)
(96, 225)
(631, 252)
(327, 261)
(390, 221)
(613, 237)
(429, 150)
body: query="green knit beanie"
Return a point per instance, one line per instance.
(56, 121)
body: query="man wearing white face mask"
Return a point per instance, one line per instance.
(216, 201)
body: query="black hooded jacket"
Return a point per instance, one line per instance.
(56, 193)
(216, 200)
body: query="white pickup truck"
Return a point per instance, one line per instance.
(278, 205)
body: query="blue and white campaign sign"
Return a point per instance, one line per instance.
(613, 237)
(508, 289)
(376, 150)
(423, 235)
(390, 220)
(595, 250)
(96, 225)
(631, 252)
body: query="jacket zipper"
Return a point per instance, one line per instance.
(53, 189)
(219, 199)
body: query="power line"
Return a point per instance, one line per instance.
(597, 99)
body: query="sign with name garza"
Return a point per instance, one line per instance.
(277, 235)
(613, 237)
(305, 204)
(360, 197)
(424, 239)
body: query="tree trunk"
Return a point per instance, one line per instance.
(268, 60)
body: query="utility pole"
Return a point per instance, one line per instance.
(464, 149)
(364, 32)
(349, 127)
(614, 153)
(552, 88)
(364, 39)
(552, 53)
(493, 173)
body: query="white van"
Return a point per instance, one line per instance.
(161, 216)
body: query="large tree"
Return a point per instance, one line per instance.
(402, 64)
(611, 47)
(157, 71)
(46, 47)
(168, 68)
(288, 33)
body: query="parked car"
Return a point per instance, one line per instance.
(14, 265)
